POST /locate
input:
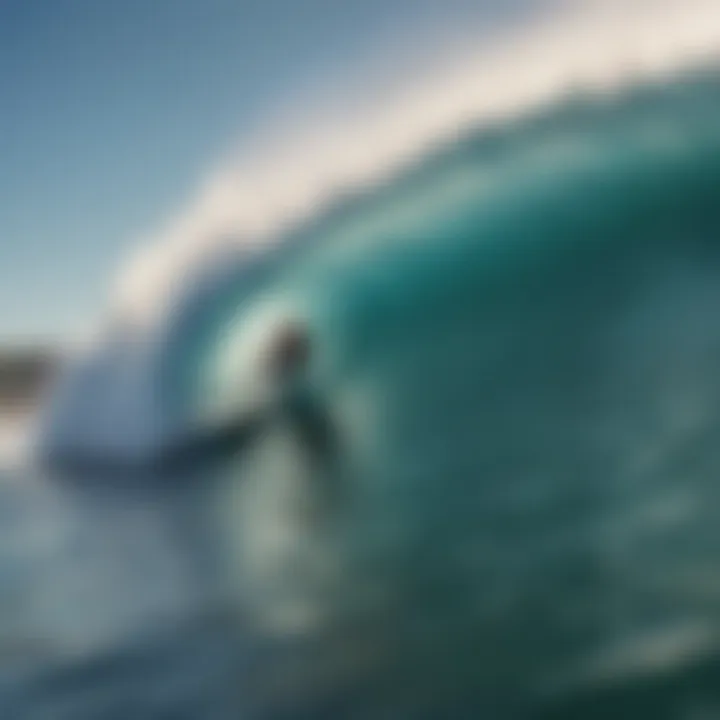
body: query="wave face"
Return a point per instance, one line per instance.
(521, 339)
(518, 337)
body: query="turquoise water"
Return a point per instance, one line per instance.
(519, 341)
(527, 320)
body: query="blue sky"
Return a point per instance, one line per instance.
(112, 110)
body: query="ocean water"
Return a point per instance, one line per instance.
(519, 342)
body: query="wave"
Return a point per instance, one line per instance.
(567, 175)
(517, 333)
(293, 170)
(571, 179)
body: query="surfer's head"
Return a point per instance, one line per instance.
(290, 352)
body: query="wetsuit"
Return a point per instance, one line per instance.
(297, 406)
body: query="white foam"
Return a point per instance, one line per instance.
(298, 166)
(15, 437)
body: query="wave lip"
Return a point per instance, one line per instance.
(298, 168)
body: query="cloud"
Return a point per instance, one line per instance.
(295, 167)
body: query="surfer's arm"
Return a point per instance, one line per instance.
(217, 442)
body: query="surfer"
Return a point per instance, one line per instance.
(297, 404)
(294, 403)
